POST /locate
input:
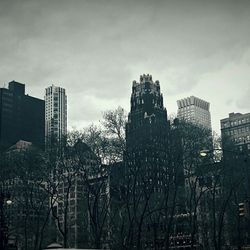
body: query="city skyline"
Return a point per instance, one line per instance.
(96, 49)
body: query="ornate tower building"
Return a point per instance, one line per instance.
(146, 157)
(147, 134)
(147, 125)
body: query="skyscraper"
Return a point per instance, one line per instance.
(55, 113)
(21, 116)
(147, 133)
(147, 120)
(152, 160)
(194, 110)
(145, 158)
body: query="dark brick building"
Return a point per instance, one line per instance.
(146, 158)
(21, 116)
(147, 121)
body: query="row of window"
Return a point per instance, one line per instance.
(241, 139)
(241, 147)
(238, 131)
(236, 122)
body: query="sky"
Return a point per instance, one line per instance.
(96, 48)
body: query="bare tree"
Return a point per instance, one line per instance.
(65, 169)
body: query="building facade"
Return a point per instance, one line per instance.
(195, 110)
(82, 199)
(21, 116)
(237, 127)
(55, 113)
(235, 133)
(23, 187)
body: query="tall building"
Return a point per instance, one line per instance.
(237, 128)
(235, 133)
(55, 113)
(147, 120)
(145, 158)
(195, 110)
(147, 132)
(21, 116)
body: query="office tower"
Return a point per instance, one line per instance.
(150, 165)
(147, 129)
(236, 127)
(147, 119)
(194, 110)
(147, 132)
(21, 116)
(55, 113)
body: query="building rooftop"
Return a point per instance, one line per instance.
(192, 100)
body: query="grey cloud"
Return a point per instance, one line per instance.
(96, 48)
(244, 101)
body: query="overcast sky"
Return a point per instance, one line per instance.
(96, 48)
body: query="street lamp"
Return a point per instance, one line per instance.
(8, 202)
(204, 152)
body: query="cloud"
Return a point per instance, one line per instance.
(244, 101)
(96, 48)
